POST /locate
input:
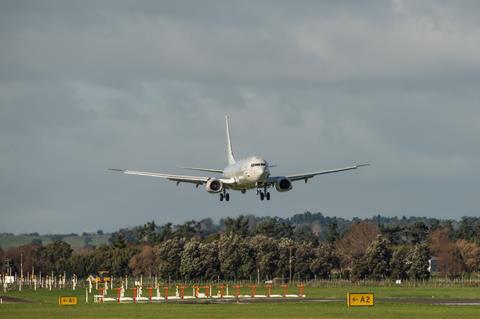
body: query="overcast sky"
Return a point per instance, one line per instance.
(309, 85)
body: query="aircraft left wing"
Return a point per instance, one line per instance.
(308, 175)
(172, 177)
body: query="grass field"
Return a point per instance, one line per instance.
(44, 306)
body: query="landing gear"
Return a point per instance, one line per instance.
(225, 196)
(263, 194)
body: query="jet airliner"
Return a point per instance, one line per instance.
(250, 173)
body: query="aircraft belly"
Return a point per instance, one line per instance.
(240, 187)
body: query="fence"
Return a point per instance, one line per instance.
(52, 281)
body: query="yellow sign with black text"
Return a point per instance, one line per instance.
(67, 301)
(359, 299)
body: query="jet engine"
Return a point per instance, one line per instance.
(283, 184)
(214, 186)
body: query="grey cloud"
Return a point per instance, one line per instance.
(309, 85)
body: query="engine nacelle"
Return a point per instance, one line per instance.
(214, 186)
(283, 184)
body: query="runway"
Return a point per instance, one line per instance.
(429, 301)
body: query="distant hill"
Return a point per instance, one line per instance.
(76, 241)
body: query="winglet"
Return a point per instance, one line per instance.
(362, 165)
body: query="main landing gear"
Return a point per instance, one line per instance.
(263, 193)
(225, 196)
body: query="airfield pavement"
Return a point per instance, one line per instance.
(426, 301)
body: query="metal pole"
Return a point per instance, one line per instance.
(290, 266)
(21, 266)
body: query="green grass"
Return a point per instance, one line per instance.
(45, 306)
(282, 310)
(397, 292)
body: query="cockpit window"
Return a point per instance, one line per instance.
(257, 164)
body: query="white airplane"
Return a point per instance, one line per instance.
(250, 173)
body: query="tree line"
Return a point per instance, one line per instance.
(303, 247)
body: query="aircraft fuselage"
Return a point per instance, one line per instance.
(248, 173)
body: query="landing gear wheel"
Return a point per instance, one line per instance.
(268, 196)
(262, 196)
(227, 197)
(221, 197)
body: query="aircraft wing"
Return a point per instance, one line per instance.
(176, 178)
(308, 175)
(212, 170)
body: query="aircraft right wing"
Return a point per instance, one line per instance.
(198, 180)
(307, 176)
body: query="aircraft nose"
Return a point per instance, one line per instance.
(263, 171)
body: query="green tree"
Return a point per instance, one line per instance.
(398, 264)
(304, 233)
(165, 233)
(378, 257)
(332, 233)
(81, 264)
(476, 237)
(237, 258)
(392, 233)
(418, 232)
(286, 257)
(191, 266)
(118, 240)
(101, 258)
(303, 258)
(418, 259)
(266, 255)
(168, 256)
(210, 262)
(187, 230)
(120, 258)
(124, 237)
(148, 233)
(274, 228)
(360, 268)
(56, 256)
(466, 229)
(324, 261)
(239, 225)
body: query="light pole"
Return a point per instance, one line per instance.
(21, 266)
(290, 266)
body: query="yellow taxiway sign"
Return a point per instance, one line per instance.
(359, 299)
(69, 300)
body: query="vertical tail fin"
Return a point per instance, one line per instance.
(231, 159)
